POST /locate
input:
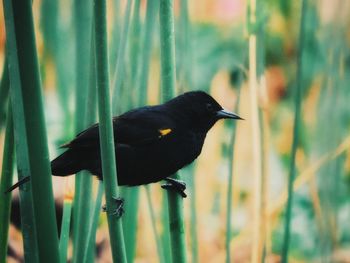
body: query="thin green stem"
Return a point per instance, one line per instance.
(193, 214)
(147, 41)
(94, 223)
(295, 144)
(131, 195)
(83, 181)
(5, 183)
(231, 156)
(84, 205)
(118, 76)
(154, 226)
(65, 225)
(106, 133)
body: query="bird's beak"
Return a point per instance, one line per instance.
(224, 114)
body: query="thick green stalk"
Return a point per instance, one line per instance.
(30, 246)
(20, 19)
(4, 93)
(64, 238)
(175, 202)
(5, 183)
(297, 121)
(106, 133)
(131, 197)
(167, 49)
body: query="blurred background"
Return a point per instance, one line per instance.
(303, 46)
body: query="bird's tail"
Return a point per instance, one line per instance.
(63, 165)
(19, 183)
(66, 164)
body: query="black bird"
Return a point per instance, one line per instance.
(151, 142)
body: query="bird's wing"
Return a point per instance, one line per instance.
(136, 127)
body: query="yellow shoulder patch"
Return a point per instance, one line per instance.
(164, 132)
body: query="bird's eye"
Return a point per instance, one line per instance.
(209, 107)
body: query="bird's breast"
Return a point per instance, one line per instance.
(156, 161)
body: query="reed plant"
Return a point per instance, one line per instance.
(106, 134)
(168, 82)
(5, 183)
(32, 156)
(297, 121)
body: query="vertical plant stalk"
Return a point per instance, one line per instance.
(4, 93)
(118, 75)
(231, 156)
(154, 226)
(85, 205)
(256, 136)
(106, 133)
(65, 225)
(20, 19)
(30, 246)
(193, 215)
(165, 233)
(5, 183)
(83, 182)
(297, 121)
(131, 195)
(175, 202)
(265, 229)
(134, 42)
(94, 223)
(152, 8)
(186, 82)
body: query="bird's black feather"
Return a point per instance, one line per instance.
(151, 143)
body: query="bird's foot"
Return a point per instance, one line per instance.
(175, 185)
(118, 209)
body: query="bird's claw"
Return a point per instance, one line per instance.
(119, 208)
(175, 185)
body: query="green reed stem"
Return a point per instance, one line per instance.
(106, 133)
(83, 181)
(154, 226)
(118, 76)
(30, 246)
(5, 183)
(65, 225)
(168, 77)
(4, 92)
(297, 120)
(94, 223)
(147, 40)
(20, 30)
(84, 206)
(231, 156)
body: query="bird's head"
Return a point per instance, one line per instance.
(200, 110)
